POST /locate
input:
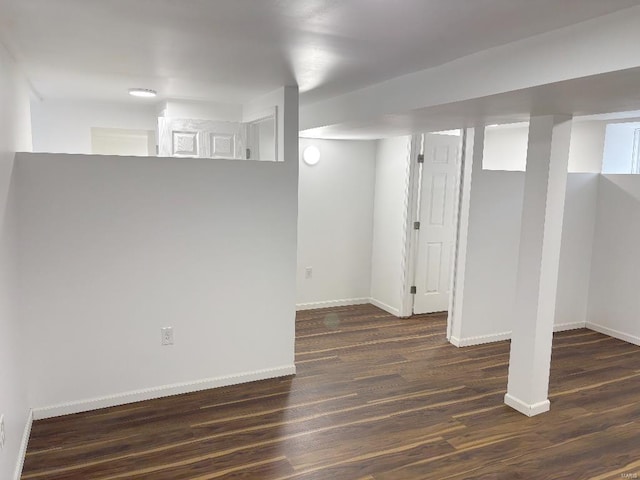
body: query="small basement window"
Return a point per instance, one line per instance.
(622, 148)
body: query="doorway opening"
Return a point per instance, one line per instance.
(432, 222)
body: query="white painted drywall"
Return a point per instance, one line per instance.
(114, 248)
(389, 222)
(618, 147)
(14, 135)
(493, 238)
(576, 250)
(614, 303)
(65, 127)
(493, 246)
(202, 110)
(335, 223)
(587, 146)
(505, 148)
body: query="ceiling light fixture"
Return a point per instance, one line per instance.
(142, 92)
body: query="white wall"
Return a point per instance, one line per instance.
(114, 248)
(493, 240)
(618, 147)
(335, 223)
(65, 126)
(614, 305)
(15, 133)
(389, 222)
(586, 149)
(575, 252)
(202, 110)
(505, 148)
(492, 254)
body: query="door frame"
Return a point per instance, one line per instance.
(410, 242)
(411, 236)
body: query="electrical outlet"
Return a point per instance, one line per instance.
(2, 434)
(167, 335)
(308, 272)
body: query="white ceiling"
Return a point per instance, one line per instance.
(233, 50)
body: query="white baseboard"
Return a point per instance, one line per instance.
(499, 337)
(385, 307)
(158, 392)
(481, 339)
(614, 333)
(563, 327)
(23, 446)
(525, 408)
(332, 303)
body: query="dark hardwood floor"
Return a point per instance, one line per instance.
(375, 398)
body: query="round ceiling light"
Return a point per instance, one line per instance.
(142, 92)
(311, 155)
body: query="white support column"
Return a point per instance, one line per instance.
(540, 238)
(470, 168)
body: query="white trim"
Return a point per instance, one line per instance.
(385, 307)
(346, 302)
(480, 339)
(499, 337)
(158, 392)
(525, 408)
(22, 453)
(459, 212)
(409, 234)
(614, 333)
(635, 155)
(563, 327)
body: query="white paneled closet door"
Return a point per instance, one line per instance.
(437, 223)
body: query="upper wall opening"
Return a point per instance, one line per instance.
(622, 148)
(506, 146)
(173, 128)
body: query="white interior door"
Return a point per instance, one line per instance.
(200, 138)
(437, 223)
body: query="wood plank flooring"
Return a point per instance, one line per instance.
(375, 398)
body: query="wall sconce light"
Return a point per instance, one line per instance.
(311, 155)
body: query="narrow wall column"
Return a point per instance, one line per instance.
(540, 238)
(471, 167)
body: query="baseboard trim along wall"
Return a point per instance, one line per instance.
(346, 302)
(525, 408)
(614, 333)
(23, 446)
(563, 327)
(161, 391)
(385, 307)
(499, 337)
(481, 339)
